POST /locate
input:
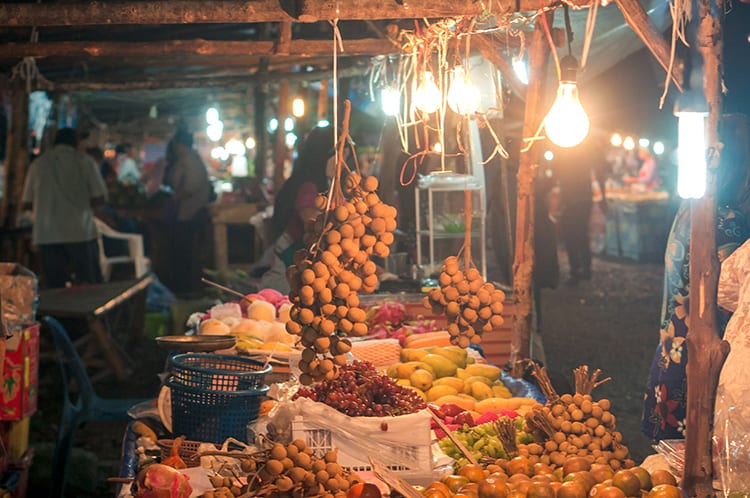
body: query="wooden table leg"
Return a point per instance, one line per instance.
(103, 337)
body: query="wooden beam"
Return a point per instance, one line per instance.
(17, 152)
(523, 261)
(249, 11)
(706, 350)
(207, 82)
(637, 18)
(75, 49)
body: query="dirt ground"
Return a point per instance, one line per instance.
(610, 322)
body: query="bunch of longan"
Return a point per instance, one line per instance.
(326, 278)
(471, 305)
(576, 425)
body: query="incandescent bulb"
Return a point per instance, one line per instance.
(298, 107)
(691, 155)
(628, 143)
(616, 140)
(215, 130)
(212, 115)
(427, 95)
(566, 123)
(463, 96)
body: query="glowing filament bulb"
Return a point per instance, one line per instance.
(463, 96)
(427, 96)
(566, 123)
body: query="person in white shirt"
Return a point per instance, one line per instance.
(127, 169)
(63, 186)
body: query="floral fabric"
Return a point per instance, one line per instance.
(666, 391)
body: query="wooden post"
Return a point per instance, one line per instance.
(523, 262)
(17, 153)
(281, 151)
(323, 100)
(706, 350)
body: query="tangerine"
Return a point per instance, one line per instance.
(454, 482)
(519, 465)
(540, 490)
(606, 491)
(661, 476)
(643, 476)
(571, 489)
(627, 482)
(493, 488)
(575, 464)
(472, 472)
(664, 491)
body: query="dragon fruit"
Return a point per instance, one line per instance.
(162, 481)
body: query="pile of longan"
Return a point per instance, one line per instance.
(580, 426)
(288, 470)
(327, 277)
(471, 305)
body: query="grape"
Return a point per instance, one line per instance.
(360, 390)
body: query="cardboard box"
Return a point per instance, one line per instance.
(18, 292)
(18, 392)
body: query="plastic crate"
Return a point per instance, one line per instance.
(403, 444)
(213, 415)
(217, 372)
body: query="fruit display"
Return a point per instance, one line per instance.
(362, 391)
(284, 470)
(483, 439)
(577, 479)
(327, 277)
(471, 305)
(391, 320)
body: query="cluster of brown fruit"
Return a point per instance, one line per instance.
(576, 425)
(287, 470)
(471, 305)
(327, 277)
(577, 478)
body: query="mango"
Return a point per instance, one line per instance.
(455, 354)
(468, 381)
(442, 367)
(421, 379)
(490, 371)
(480, 390)
(501, 392)
(454, 382)
(403, 382)
(437, 392)
(463, 402)
(496, 405)
(420, 392)
(412, 354)
(404, 370)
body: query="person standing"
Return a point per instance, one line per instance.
(192, 194)
(127, 167)
(573, 168)
(63, 187)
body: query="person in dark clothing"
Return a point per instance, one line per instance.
(573, 168)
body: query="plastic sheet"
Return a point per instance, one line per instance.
(732, 448)
(520, 388)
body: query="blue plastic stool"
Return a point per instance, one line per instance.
(77, 409)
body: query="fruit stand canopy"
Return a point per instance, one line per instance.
(118, 59)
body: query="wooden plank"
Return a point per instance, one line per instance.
(523, 262)
(156, 12)
(307, 48)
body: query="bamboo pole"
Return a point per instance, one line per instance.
(706, 350)
(254, 11)
(17, 153)
(523, 262)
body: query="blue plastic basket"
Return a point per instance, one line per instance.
(211, 415)
(217, 372)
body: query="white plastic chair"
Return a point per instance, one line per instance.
(135, 251)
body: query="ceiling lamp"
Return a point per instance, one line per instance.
(298, 107)
(390, 101)
(427, 96)
(616, 140)
(566, 123)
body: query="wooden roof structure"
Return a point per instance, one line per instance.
(186, 48)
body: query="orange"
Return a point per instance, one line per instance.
(519, 465)
(575, 464)
(571, 489)
(643, 476)
(661, 476)
(664, 491)
(540, 490)
(627, 482)
(493, 488)
(472, 472)
(601, 472)
(454, 482)
(605, 491)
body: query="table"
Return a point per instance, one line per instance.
(94, 303)
(638, 226)
(221, 216)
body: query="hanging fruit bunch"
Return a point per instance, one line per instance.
(327, 277)
(471, 305)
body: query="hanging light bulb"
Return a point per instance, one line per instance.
(427, 97)
(628, 143)
(212, 115)
(566, 123)
(691, 154)
(463, 96)
(215, 130)
(616, 140)
(298, 107)
(390, 100)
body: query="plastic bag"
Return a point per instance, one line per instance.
(732, 448)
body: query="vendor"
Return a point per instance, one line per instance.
(648, 176)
